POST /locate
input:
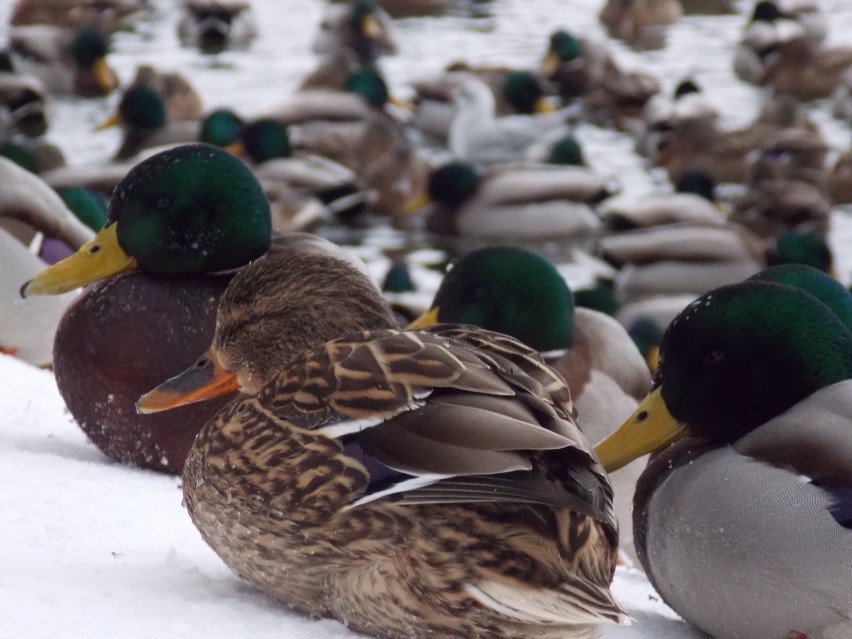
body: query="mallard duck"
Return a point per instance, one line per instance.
(691, 203)
(175, 217)
(429, 466)
(520, 293)
(583, 68)
(143, 115)
(212, 26)
(25, 99)
(768, 28)
(523, 204)
(772, 207)
(355, 128)
(800, 69)
(109, 15)
(727, 155)
(360, 27)
(629, 19)
(739, 523)
(181, 99)
(691, 259)
(303, 188)
(29, 207)
(65, 60)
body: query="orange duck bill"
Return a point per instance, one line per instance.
(203, 380)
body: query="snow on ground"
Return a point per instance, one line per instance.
(89, 548)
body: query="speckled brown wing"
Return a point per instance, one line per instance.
(448, 415)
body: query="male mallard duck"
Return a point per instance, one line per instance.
(65, 60)
(691, 259)
(741, 523)
(109, 15)
(175, 217)
(359, 27)
(303, 188)
(526, 203)
(212, 26)
(143, 115)
(691, 203)
(519, 293)
(411, 484)
(629, 19)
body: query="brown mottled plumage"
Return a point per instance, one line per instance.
(412, 484)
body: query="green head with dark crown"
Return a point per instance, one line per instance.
(510, 290)
(734, 359)
(368, 83)
(191, 209)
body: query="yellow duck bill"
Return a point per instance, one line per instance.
(649, 428)
(100, 258)
(429, 318)
(203, 380)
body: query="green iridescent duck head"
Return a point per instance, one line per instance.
(734, 359)
(191, 209)
(510, 290)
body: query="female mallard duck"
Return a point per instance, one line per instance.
(411, 484)
(530, 203)
(109, 15)
(629, 19)
(741, 523)
(175, 218)
(212, 26)
(519, 293)
(355, 128)
(65, 60)
(181, 99)
(805, 71)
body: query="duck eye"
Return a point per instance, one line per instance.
(254, 319)
(162, 202)
(714, 357)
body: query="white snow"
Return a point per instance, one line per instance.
(90, 548)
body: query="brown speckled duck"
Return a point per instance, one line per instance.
(412, 484)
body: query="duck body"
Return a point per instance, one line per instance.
(519, 293)
(397, 480)
(739, 521)
(100, 379)
(314, 545)
(523, 203)
(758, 554)
(126, 330)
